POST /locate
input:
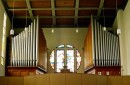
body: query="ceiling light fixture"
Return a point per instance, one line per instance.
(118, 29)
(12, 30)
(52, 30)
(26, 21)
(104, 28)
(77, 30)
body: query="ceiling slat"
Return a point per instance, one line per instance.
(53, 11)
(100, 8)
(76, 12)
(29, 9)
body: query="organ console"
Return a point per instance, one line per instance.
(101, 51)
(29, 51)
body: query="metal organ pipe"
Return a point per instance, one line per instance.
(37, 39)
(19, 45)
(29, 39)
(25, 46)
(93, 49)
(34, 41)
(112, 38)
(22, 47)
(96, 48)
(31, 47)
(16, 51)
(13, 53)
(101, 43)
(118, 52)
(103, 47)
(99, 54)
(106, 47)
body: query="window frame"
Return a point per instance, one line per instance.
(65, 48)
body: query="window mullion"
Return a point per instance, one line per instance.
(75, 61)
(65, 56)
(55, 60)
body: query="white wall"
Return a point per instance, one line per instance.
(123, 22)
(65, 36)
(2, 11)
(127, 34)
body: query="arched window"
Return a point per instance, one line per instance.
(65, 55)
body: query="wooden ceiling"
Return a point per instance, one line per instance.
(63, 12)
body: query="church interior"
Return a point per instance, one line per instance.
(63, 42)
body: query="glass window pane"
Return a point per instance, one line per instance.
(60, 60)
(78, 58)
(52, 59)
(61, 46)
(69, 46)
(70, 60)
(60, 55)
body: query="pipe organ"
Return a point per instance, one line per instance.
(29, 49)
(101, 50)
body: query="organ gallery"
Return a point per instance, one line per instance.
(63, 42)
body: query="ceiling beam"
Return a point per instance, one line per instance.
(53, 11)
(29, 9)
(22, 17)
(65, 8)
(76, 12)
(100, 8)
(6, 9)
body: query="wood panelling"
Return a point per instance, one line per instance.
(89, 3)
(87, 12)
(75, 79)
(65, 3)
(113, 3)
(88, 79)
(24, 73)
(45, 21)
(57, 79)
(109, 12)
(103, 70)
(66, 79)
(115, 80)
(108, 20)
(41, 4)
(42, 13)
(29, 80)
(83, 21)
(64, 12)
(3, 80)
(42, 79)
(15, 81)
(21, 71)
(20, 13)
(65, 21)
(16, 4)
(42, 60)
(126, 80)
(101, 80)
(15, 73)
(88, 48)
(22, 23)
(44, 8)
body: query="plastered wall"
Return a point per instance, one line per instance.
(8, 25)
(66, 79)
(123, 23)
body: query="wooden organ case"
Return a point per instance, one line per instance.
(28, 53)
(101, 51)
